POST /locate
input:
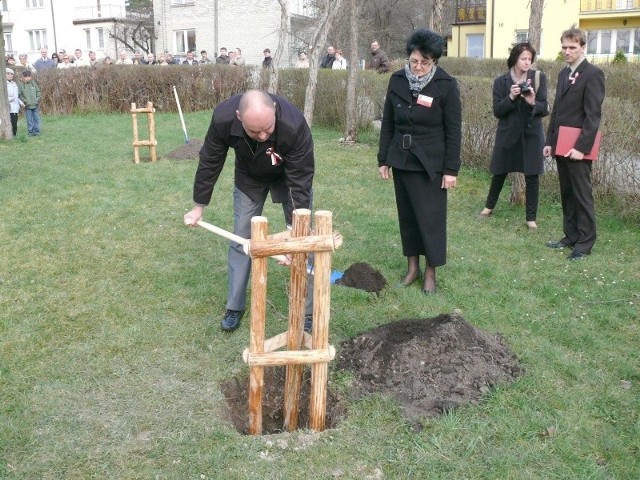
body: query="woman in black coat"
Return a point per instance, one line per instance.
(420, 140)
(519, 103)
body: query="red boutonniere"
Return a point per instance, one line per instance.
(574, 78)
(276, 159)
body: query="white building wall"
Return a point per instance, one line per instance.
(251, 25)
(18, 21)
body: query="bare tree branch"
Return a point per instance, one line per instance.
(329, 11)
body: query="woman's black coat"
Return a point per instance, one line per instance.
(519, 137)
(417, 137)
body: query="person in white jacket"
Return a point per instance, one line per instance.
(14, 100)
(340, 63)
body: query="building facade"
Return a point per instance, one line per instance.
(488, 28)
(30, 25)
(252, 26)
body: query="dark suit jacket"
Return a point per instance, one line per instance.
(519, 135)
(436, 131)
(578, 104)
(254, 172)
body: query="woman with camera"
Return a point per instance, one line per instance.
(519, 103)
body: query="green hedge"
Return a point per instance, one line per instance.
(114, 88)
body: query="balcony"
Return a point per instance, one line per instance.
(609, 6)
(471, 11)
(102, 11)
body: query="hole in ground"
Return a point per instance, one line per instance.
(428, 366)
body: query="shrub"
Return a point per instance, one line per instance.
(113, 89)
(620, 57)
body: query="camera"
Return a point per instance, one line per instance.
(524, 87)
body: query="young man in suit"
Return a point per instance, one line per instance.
(578, 103)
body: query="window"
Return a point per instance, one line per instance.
(3, 5)
(605, 42)
(100, 32)
(37, 39)
(522, 36)
(592, 42)
(185, 40)
(475, 46)
(623, 40)
(8, 43)
(624, 5)
(87, 36)
(34, 3)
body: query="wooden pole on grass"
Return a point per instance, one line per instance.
(136, 150)
(151, 123)
(152, 131)
(320, 333)
(259, 226)
(297, 298)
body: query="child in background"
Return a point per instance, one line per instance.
(30, 96)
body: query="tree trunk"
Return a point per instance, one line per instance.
(517, 196)
(283, 39)
(436, 16)
(351, 124)
(329, 10)
(535, 23)
(6, 133)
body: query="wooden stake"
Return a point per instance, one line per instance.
(136, 149)
(152, 131)
(291, 360)
(297, 297)
(259, 228)
(320, 333)
(137, 143)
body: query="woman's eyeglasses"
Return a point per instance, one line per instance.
(424, 63)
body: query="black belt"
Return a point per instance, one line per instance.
(406, 141)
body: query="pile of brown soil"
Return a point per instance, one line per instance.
(364, 277)
(429, 366)
(188, 151)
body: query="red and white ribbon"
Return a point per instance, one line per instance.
(574, 78)
(275, 158)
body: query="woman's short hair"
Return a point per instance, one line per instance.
(428, 43)
(517, 50)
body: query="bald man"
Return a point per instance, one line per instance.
(274, 154)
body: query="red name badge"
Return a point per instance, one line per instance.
(424, 100)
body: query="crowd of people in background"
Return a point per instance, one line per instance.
(334, 59)
(24, 92)
(63, 60)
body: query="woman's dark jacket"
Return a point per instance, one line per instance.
(519, 137)
(416, 137)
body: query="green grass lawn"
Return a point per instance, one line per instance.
(111, 356)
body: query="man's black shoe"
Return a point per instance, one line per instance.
(231, 320)
(308, 323)
(577, 255)
(558, 244)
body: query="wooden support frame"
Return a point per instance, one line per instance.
(262, 353)
(151, 123)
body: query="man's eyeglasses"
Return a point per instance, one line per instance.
(416, 63)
